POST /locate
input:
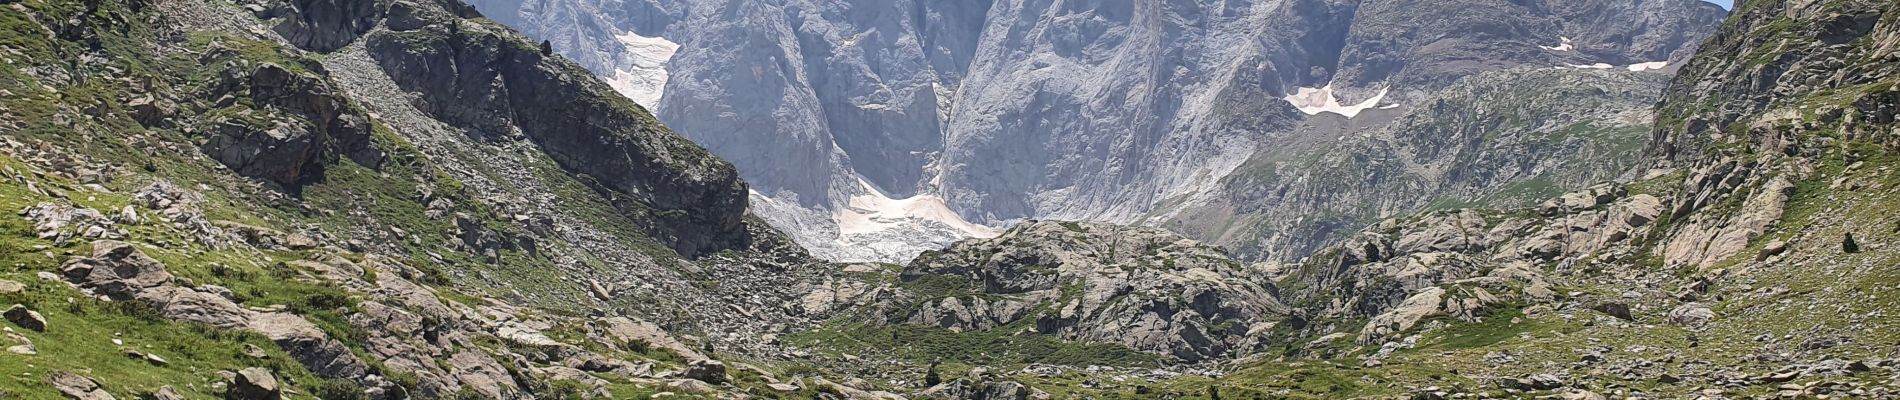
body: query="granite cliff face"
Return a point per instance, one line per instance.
(1106, 111)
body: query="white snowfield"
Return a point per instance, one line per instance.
(643, 79)
(1649, 66)
(874, 212)
(1315, 101)
(1639, 67)
(1565, 46)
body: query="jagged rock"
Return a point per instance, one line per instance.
(116, 269)
(254, 384)
(709, 371)
(76, 387)
(29, 319)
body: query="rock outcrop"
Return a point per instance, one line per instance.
(1142, 288)
(501, 88)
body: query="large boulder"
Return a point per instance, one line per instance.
(254, 384)
(76, 387)
(116, 269)
(709, 371)
(29, 319)
(1691, 314)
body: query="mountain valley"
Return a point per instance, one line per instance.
(997, 199)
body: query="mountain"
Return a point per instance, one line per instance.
(1501, 139)
(940, 120)
(401, 199)
(1747, 263)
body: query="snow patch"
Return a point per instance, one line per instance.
(1315, 101)
(1649, 66)
(874, 212)
(1640, 67)
(1564, 46)
(644, 78)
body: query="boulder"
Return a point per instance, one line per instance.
(254, 384)
(709, 371)
(76, 387)
(116, 269)
(1691, 314)
(29, 319)
(11, 287)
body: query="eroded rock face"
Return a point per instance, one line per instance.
(1139, 287)
(297, 122)
(501, 90)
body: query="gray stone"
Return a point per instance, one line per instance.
(76, 387)
(709, 371)
(254, 384)
(29, 319)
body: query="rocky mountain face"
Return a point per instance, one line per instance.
(1105, 111)
(1501, 139)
